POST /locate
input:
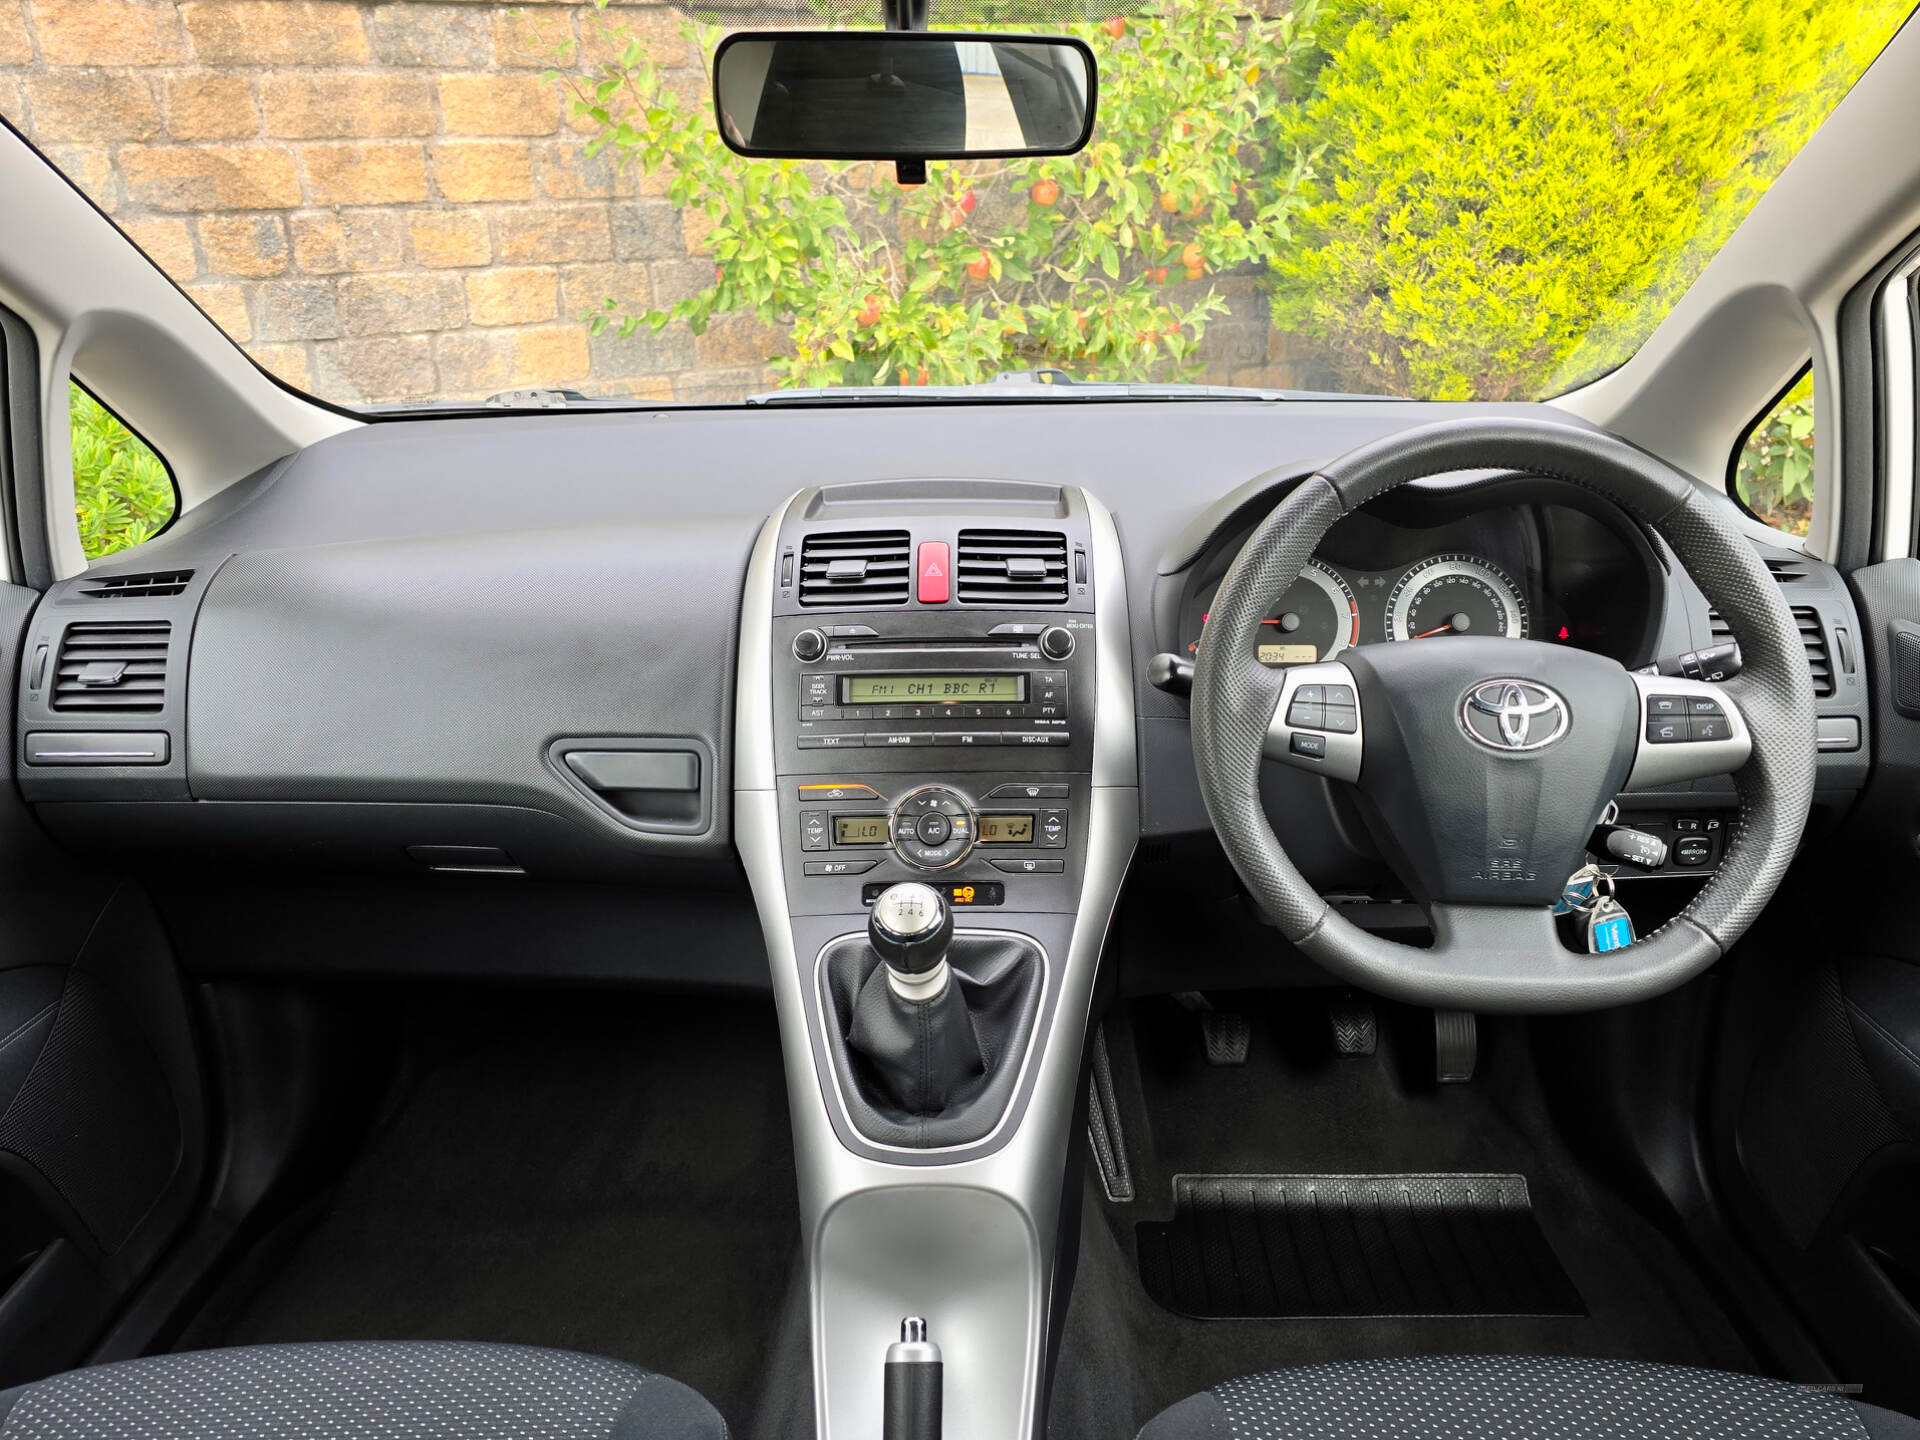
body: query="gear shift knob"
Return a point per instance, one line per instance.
(910, 928)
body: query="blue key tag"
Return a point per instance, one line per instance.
(1609, 927)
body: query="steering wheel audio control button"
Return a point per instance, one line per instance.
(1316, 722)
(1692, 729)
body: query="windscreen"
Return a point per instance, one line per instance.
(423, 203)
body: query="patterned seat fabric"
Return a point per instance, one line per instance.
(361, 1391)
(1511, 1397)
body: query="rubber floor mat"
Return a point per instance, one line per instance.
(1258, 1246)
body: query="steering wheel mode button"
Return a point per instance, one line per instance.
(1313, 747)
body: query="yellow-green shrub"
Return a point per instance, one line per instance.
(122, 494)
(1510, 193)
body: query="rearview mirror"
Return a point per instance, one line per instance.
(902, 95)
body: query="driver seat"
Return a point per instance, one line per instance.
(1518, 1397)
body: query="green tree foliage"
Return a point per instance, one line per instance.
(1775, 476)
(1511, 193)
(994, 265)
(122, 493)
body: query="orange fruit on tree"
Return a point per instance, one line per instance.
(1045, 192)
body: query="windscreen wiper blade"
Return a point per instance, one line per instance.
(993, 390)
(1044, 383)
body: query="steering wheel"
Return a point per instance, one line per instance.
(1481, 765)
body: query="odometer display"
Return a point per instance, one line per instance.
(1456, 595)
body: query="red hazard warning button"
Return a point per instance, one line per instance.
(935, 573)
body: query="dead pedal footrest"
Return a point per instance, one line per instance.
(1272, 1246)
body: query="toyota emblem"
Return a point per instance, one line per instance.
(1514, 715)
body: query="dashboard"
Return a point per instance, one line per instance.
(491, 662)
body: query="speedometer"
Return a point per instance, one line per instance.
(1455, 595)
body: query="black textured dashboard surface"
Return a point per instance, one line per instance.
(440, 669)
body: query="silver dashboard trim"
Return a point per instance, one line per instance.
(970, 1244)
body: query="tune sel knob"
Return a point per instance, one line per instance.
(1056, 642)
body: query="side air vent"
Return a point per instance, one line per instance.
(1813, 635)
(1012, 567)
(1789, 572)
(856, 567)
(1813, 638)
(112, 669)
(136, 587)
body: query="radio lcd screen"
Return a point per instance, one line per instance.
(933, 689)
(859, 829)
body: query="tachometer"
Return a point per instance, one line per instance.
(1455, 595)
(1316, 619)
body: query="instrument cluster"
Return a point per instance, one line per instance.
(1522, 572)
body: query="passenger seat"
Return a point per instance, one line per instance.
(361, 1390)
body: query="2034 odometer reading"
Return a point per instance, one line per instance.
(1455, 595)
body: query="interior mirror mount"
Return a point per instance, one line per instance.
(908, 96)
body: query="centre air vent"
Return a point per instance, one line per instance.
(1813, 639)
(136, 587)
(855, 567)
(1012, 567)
(108, 668)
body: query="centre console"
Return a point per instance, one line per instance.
(934, 691)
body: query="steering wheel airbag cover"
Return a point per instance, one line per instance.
(1487, 958)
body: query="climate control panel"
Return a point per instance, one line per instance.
(985, 835)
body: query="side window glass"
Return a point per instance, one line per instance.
(122, 491)
(1773, 477)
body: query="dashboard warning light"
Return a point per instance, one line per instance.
(1564, 635)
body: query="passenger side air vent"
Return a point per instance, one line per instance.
(1012, 567)
(136, 587)
(1813, 638)
(112, 669)
(855, 567)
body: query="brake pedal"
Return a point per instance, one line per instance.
(1354, 1030)
(1226, 1035)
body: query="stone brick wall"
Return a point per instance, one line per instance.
(383, 202)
